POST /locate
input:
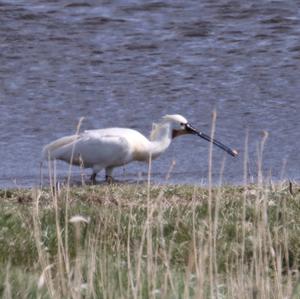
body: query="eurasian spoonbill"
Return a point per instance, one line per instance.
(113, 147)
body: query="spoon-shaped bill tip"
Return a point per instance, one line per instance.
(235, 152)
(190, 129)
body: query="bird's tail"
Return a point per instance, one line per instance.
(50, 150)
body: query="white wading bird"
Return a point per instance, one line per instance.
(113, 147)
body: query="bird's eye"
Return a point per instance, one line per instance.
(182, 124)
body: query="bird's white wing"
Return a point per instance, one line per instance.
(92, 148)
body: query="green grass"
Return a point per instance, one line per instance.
(150, 242)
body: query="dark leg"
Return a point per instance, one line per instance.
(108, 175)
(109, 179)
(93, 178)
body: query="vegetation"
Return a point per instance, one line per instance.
(145, 241)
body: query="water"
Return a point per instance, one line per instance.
(127, 63)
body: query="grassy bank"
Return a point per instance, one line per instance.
(135, 241)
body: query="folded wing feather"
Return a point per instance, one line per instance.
(90, 148)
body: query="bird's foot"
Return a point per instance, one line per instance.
(109, 179)
(93, 178)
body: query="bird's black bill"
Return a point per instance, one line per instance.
(230, 151)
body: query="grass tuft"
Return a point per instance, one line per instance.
(141, 241)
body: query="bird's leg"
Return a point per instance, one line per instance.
(93, 178)
(109, 179)
(108, 175)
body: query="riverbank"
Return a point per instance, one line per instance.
(139, 241)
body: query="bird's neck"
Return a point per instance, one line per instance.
(161, 139)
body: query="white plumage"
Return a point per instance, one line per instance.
(113, 147)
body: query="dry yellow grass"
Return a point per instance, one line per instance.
(139, 241)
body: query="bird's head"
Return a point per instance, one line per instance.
(180, 126)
